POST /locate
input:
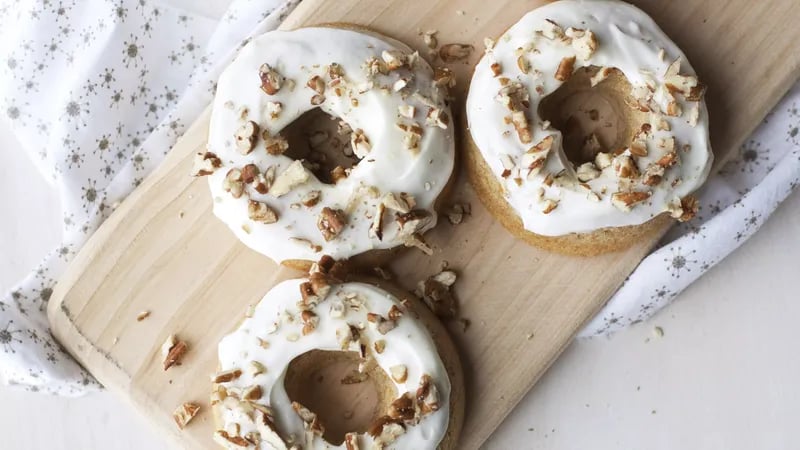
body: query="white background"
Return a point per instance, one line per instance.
(725, 374)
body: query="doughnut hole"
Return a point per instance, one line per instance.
(593, 119)
(328, 383)
(317, 139)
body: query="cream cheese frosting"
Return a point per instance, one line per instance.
(401, 131)
(345, 318)
(669, 160)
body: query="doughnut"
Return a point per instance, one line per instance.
(394, 122)
(352, 337)
(588, 127)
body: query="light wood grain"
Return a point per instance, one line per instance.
(163, 250)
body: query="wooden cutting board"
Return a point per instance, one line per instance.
(164, 251)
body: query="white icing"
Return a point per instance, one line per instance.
(410, 344)
(389, 166)
(630, 41)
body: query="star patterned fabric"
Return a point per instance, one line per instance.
(98, 91)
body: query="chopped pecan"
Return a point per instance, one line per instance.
(252, 393)
(275, 145)
(625, 167)
(261, 212)
(376, 228)
(249, 173)
(399, 373)
(271, 80)
(360, 143)
(310, 321)
(455, 52)
(246, 136)
(205, 164)
(311, 198)
(317, 84)
(226, 376)
(173, 350)
(233, 183)
(331, 222)
(382, 324)
(565, 69)
(403, 408)
(226, 440)
(444, 77)
(427, 395)
(185, 413)
(293, 176)
(625, 201)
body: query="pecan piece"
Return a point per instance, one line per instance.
(565, 69)
(261, 212)
(331, 222)
(246, 136)
(450, 53)
(185, 413)
(205, 164)
(271, 80)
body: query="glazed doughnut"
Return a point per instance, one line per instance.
(399, 124)
(587, 124)
(304, 325)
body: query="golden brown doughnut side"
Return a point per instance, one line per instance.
(601, 241)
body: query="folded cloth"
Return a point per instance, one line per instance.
(98, 91)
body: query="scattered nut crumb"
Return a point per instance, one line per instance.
(173, 351)
(185, 413)
(142, 315)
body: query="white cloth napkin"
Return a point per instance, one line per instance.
(98, 91)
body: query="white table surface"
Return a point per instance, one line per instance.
(725, 374)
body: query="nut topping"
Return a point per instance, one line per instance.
(173, 350)
(360, 143)
(565, 69)
(625, 167)
(403, 408)
(427, 396)
(310, 321)
(316, 84)
(382, 324)
(351, 441)
(252, 393)
(394, 59)
(376, 228)
(438, 118)
(625, 201)
(205, 164)
(399, 373)
(185, 413)
(444, 77)
(271, 80)
(549, 206)
(293, 176)
(261, 212)
(275, 145)
(435, 292)
(311, 198)
(587, 172)
(226, 376)
(584, 42)
(455, 52)
(224, 439)
(331, 222)
(233, 183)
(246, 136)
